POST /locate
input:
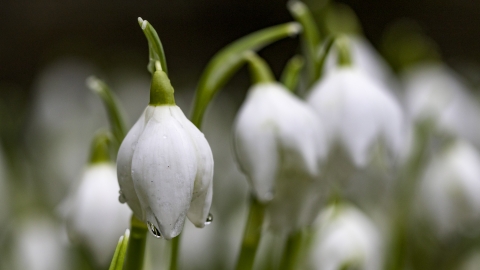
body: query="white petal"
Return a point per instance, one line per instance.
(274, 126)
(203, 189)
(357, 111)
(97, 218)
(124, 166)
(164, 168)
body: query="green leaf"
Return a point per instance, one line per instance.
(155, 47)
(310, 37)
(112, 104)
(227, 61)
(120, 250)
(291, 73)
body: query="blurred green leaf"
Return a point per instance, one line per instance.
(114, 111)
(120, 250)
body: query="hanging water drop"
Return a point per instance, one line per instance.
(121, 197)
(154, 230)
(209, 219)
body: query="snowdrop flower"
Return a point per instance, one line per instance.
(450, 187)
(357, 112)
(279, 144)
(96, 218)
(345, 238)
(165, 165)
(434, 92)
(38, 245)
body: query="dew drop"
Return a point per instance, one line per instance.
(121, 197)
(209, 219)
(155, 232)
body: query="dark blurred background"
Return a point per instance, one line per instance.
(34, 33)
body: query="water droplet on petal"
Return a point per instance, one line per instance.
(164, 136)
(209, 219)
(121, 197)
(155, 232)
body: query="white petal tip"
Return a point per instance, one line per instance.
(140, 20)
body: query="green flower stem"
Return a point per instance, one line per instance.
(114, 111)
(227, 61)
(100, 150)
(251, 236)
(292, 253)
(291, 73)
(310, 37)
(344, 54)
(136, 245)
(175, 247)
(259, 69)
(408, 180)
(155, 46)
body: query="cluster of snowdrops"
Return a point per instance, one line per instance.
(349, 166)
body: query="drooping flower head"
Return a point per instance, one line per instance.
(279, 145)
(96, 218)
(356, 112)
(165, 165)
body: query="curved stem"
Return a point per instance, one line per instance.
(112, 104)
(259, 69)
(227, 61)
(310, 37)
(251, 236)
(291, 73)
(136, 245)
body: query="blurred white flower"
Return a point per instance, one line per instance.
(365, 58)
(38, 245)
(357, 112)
(279, 144)
(449, 188)
(97, 218)
(165, 168)
(345, 237)
(434, 92)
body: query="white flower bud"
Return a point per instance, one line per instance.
(96, 218)
(450, 187)
(356, 112)
(165, 170)
(345, 238)
(279, 144)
